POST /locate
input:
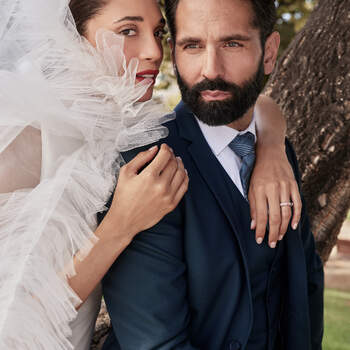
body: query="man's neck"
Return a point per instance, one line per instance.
(243, 122)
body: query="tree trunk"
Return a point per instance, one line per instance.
(312, 85)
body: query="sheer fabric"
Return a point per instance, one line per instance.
(67, 110)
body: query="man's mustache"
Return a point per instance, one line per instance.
(217, 84)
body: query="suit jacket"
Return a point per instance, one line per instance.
(184, 284)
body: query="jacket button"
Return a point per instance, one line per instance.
(235, 345)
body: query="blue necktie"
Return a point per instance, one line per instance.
(244, 146)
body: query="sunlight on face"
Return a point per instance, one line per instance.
(142, 25)
(215, 39)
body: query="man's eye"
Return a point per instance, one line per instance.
(128, 32)
(233, 44)
(191, 46)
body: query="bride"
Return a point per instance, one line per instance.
(76, 81)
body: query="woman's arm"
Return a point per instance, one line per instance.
(272, 180)
(140, 201)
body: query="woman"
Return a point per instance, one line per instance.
(84, 109)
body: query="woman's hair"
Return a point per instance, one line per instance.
(84, 10)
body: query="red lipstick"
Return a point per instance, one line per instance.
(147, 74)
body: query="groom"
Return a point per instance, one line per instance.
(198, 280)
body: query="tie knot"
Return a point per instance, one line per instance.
(243, 145)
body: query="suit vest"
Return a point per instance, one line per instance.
(266, 273)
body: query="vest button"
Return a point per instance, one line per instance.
(235, 345)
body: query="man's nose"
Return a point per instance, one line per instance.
(212, 64)
(152, 50)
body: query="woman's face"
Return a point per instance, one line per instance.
(142, 25)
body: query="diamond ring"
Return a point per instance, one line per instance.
(286, 204)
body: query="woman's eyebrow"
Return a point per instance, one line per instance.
(129, 18)
(137, 19)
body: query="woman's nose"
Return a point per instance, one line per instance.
(152, 49)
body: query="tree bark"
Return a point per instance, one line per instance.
(312, 85)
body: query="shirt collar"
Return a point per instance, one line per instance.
(219, 137)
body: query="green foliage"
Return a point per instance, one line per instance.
(292, 16)
(337, 321)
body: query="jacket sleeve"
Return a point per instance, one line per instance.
(314, 268)
(146, 290)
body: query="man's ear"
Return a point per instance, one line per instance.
(271, 51)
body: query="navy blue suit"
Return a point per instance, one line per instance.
(187, 282)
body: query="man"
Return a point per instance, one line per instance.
(198, 280)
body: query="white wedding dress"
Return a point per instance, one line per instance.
(67, 110)
(84, 324)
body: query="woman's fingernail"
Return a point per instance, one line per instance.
(280, 237)
(252, 225)
(153, 148)
(273, 245)
(259, 240)
(295, 226)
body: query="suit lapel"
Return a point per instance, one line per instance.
(225, 192)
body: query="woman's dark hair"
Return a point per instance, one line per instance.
(83, 10)
(264, 10)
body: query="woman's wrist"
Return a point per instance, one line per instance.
(270, 149)
(112, 228)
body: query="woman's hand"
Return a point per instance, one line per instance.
(273, 183)
(143, 198)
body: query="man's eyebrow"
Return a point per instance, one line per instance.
(186, 40)
(233, 37)
(238, 37)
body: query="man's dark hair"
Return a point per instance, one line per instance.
(265, 16)
(83, 10)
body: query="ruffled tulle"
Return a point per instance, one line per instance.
(67, 111)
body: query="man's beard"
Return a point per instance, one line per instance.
(224, 112)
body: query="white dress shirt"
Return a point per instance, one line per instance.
(218, 139)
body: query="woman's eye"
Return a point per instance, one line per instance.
(128, 32)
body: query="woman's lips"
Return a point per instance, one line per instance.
(215, 95)
(148, 74)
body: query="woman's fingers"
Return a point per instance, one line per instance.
(252, 205)
(179, 176)
(273, 199)
(169, 171)
(286, 211)
(297, 205)
(181, 191)
(160, 162)
(261, 215)
(136, 164)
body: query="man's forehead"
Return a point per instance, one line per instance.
(232, 18)
(214, 13)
